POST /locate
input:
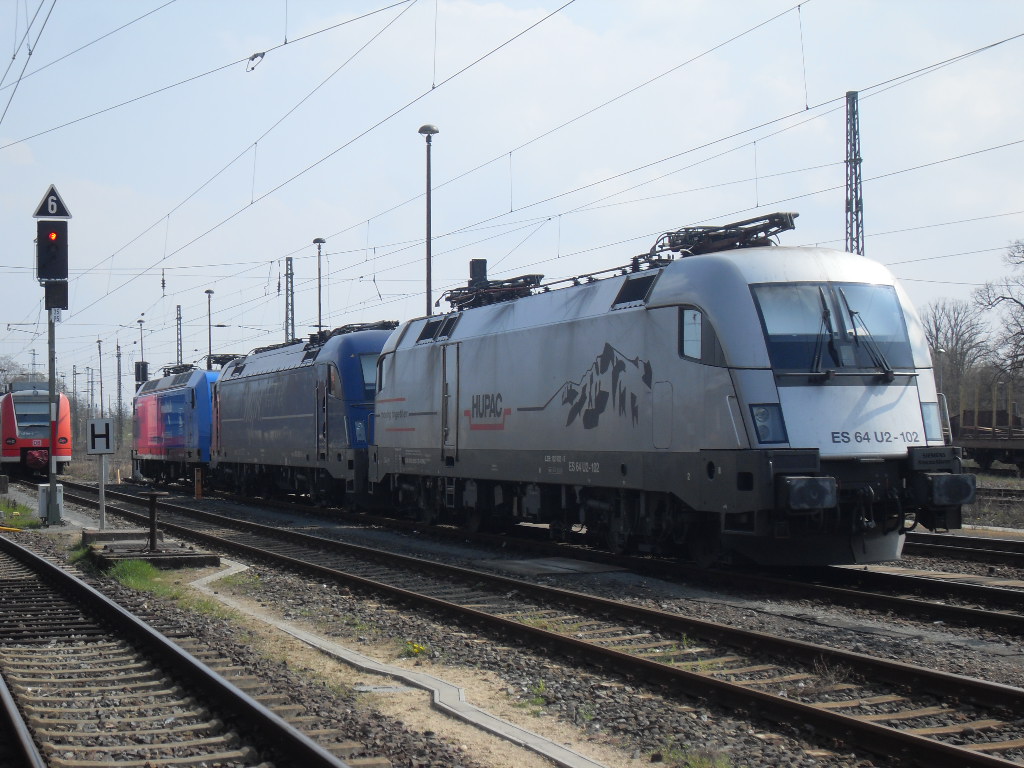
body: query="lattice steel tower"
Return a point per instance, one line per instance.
(289, 300)
(854, 194)
(179, 335)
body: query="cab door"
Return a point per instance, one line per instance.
(322, 387)
(450, 403)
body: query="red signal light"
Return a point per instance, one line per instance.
(52, 235)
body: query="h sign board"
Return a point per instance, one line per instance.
(101, 436)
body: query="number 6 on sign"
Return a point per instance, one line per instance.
(51, 206)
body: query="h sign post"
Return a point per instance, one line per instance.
(101, 437)
(101, 441)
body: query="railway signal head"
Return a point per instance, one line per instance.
(52, 250)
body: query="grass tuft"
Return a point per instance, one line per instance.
(15, 515)
(143, 576)
(676, 756)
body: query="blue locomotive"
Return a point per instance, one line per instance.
(297, 417)
(173, 425)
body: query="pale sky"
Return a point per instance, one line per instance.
(570, 138)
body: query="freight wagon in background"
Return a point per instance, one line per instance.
(990, 435)
(25, 430)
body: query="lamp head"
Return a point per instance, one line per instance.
(428, 130)
(319, 241)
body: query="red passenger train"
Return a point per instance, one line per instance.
(25, 430)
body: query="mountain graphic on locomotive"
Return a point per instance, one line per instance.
(25, 429)
(720, 397)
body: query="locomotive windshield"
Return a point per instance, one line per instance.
(817, 327)
(33, 418)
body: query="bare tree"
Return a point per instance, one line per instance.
(959, 341)
(1007, 296)
(9, 368)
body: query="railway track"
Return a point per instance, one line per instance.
(978, 548)
(94, 685)
(1000, 495)
(927, 717)
(967, 603)
(16, 744)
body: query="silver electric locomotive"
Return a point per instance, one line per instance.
(720, 397)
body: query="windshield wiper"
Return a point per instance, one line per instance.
(874, 352)
(819, 346)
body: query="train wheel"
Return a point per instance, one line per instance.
(621, 526)
(264, 487)
(618, 534)
(426, 513)
(474, 520)
(704, 547)
(617, 541)
(558, 531)
(426, 516)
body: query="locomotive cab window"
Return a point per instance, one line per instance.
(697, 338)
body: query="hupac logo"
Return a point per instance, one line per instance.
(486, 411)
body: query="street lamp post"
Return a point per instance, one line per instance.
(427, 132)
(939, 353)
(319, 314)
(209, 329)
(142, 351)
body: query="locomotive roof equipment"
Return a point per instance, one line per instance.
(750, 233)
(688, 241)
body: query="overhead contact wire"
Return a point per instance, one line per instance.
(352, 140)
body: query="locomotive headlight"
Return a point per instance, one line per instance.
(768, 423)
(10, 441)
(932, 421)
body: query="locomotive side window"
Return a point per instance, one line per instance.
(690, 323)
(369, 366)
(334, 388)
(697, 338)
(382, 365)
